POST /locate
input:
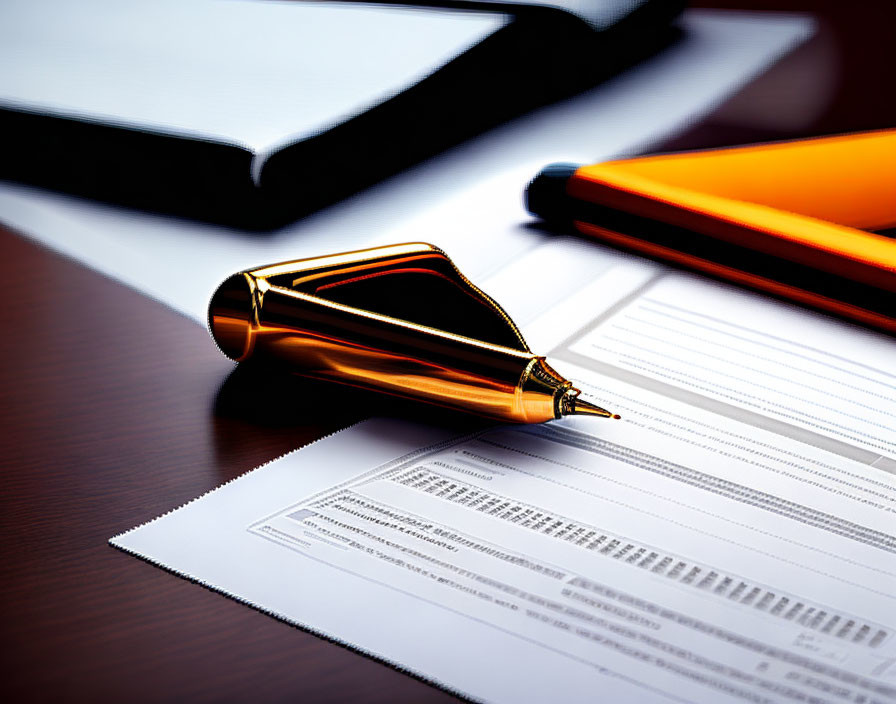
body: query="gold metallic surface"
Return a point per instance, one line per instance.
(399, 319)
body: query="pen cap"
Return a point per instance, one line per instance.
(413, 283)
(232, 316)
(546, 195)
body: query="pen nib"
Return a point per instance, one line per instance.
(572, 405)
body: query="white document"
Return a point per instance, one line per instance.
(730, 539)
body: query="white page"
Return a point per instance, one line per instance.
(694, 551)
(780, 363)
(253, 73)
(180, 263)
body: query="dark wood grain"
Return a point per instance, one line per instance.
(110, 417)
(838, 81)
(116, 409)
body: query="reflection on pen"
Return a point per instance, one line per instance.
(399, 320)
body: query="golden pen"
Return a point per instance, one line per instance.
(399, 319)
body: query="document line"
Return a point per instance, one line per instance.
(805, 465)
(795, 343)
(883, 541)
(759, 402)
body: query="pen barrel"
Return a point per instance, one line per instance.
(337, 343)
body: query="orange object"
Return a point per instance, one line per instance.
(792, 219)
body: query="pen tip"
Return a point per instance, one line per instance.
(579, 407)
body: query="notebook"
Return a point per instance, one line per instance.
(255, 113)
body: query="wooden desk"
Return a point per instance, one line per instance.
(113, 414)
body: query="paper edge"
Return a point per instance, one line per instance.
(114, 542)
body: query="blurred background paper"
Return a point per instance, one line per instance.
(253, 113)
(226, 72)
(467, 201)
